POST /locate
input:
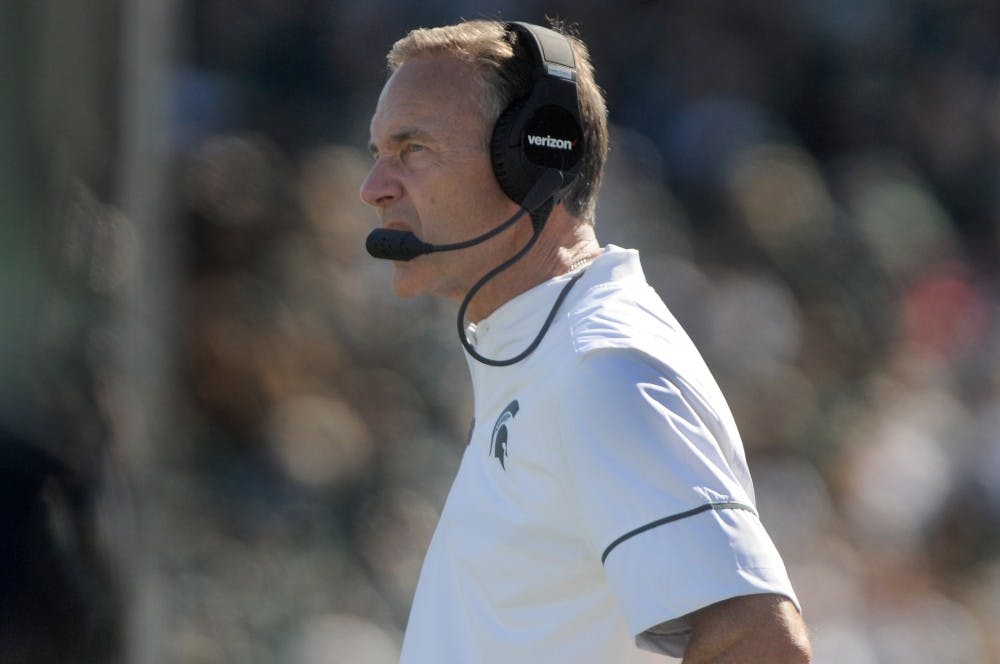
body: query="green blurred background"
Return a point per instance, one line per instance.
(223, 439)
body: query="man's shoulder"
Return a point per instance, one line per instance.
(614, 316)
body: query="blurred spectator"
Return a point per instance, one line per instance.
(60, 599)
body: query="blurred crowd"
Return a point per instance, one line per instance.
(814, 187)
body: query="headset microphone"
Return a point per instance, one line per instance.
(399, 245)
(396, 245)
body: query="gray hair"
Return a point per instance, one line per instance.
(506, 76)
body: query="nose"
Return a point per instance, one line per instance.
(381, 187)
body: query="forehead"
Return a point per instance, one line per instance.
(433, 94)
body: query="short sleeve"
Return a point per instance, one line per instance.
(650, 466)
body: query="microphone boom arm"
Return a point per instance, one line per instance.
(404, 246)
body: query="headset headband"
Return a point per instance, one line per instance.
(550, 50)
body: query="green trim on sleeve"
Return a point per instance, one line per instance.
(675, 517)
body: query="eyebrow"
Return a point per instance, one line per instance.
(401, 136)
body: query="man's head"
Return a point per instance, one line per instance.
(503, 72)
(430, 136)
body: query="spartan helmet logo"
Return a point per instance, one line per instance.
(498, 442)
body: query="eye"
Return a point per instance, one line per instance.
(412, 154)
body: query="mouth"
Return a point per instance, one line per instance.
(397, 226)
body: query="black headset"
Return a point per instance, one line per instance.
(541, 130)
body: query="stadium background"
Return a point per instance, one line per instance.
(223, 439)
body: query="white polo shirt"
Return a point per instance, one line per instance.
(604, 490)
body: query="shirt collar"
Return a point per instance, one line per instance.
(519, 319)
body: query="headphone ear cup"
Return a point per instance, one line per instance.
(508, 166)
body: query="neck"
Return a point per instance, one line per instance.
(566, 243)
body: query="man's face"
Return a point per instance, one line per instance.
(432, 175)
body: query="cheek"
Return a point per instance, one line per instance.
(462, 201)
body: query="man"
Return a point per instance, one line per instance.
(603, 501)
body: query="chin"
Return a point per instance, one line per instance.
(411, 280)
(404, 284)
